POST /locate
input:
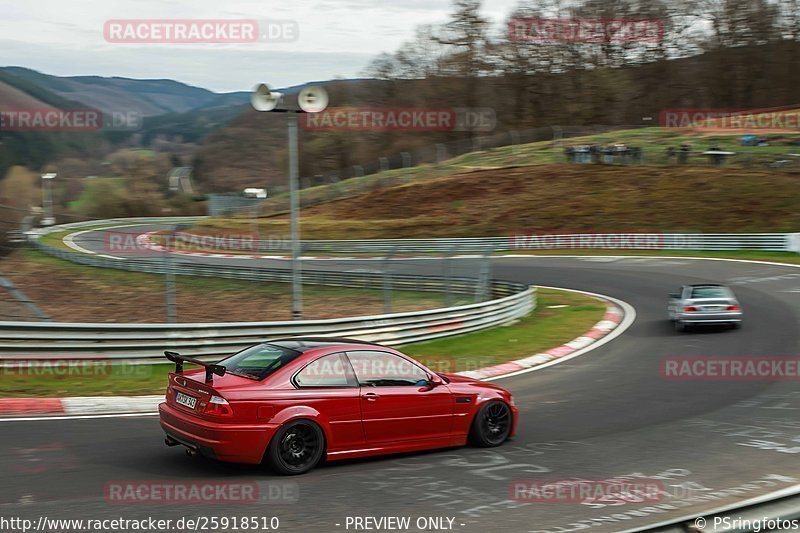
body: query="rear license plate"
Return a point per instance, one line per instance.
(185, 400)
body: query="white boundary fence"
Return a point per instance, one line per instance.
(778, 242)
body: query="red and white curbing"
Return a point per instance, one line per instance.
(146, 241)
(612, 319)
(80, 405)
(123, 405)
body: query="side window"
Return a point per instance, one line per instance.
(328, 371)
(383, 369)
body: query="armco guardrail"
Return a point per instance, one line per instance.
(33, 340)
(608, 241)
(366, 280)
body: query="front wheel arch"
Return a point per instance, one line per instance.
(481, 434)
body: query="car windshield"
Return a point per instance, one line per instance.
(258, 362)
(710, 292)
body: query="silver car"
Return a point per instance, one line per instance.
(704, 304)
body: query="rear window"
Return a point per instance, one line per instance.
(258, 362)
(710, 292)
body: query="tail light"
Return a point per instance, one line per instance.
(218, 406)
(734, 308)
(690, 309)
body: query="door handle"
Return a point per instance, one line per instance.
(369, 396)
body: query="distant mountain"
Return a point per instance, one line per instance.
(174, 113)
(19, 93)
(35, 148)
(147, 97)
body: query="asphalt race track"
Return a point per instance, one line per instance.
(605, 414)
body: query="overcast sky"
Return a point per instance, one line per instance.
(336, 38)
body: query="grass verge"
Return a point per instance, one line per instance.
(560, 316)
(70, 292)
(56, 238)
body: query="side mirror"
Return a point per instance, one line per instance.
(435, 381)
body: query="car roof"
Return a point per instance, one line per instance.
(706, 285)
(304, 344)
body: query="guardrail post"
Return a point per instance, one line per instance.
(169, 281)
(485, 275)
(384, 163)
(406, 157)
(169, 274)
(440, 152)
(558, 134)
(514, 141)
(254, 230)
(447, 267)
(793, 242)
(335, 190)
(387, 280)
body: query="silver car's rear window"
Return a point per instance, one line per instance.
(711, 292)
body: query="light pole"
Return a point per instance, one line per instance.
(47, 199)
(294, 220)
(312, 99)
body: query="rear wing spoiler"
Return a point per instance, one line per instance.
(211, 368)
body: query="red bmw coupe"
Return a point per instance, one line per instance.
(291, 402)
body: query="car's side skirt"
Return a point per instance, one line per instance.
(402, 447)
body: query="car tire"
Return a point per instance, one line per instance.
(297, 447)
(491, 425)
